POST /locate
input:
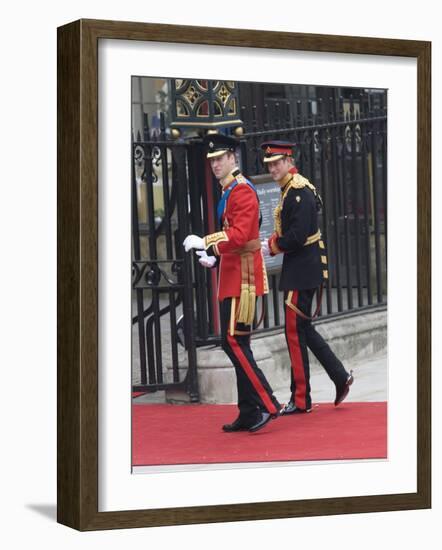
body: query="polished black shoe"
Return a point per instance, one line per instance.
(265, 419)
(343, 389)
(235, 426)
(291, 408)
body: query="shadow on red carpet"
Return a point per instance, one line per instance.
(165, 434)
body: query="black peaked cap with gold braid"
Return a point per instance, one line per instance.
(218, 144)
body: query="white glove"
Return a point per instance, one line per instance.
(265, 249)
(205, 260)
(193, 241)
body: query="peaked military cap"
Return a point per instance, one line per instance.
(275, 150)
(218, 144)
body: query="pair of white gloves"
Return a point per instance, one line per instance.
(193, 241)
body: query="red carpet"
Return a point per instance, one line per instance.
(191, 434)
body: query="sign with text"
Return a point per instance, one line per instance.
(268, 193)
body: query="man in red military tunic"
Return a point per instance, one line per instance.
(242, 277)
(304, 268)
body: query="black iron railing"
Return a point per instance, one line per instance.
(161, 272)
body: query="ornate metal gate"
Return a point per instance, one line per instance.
(162, 274)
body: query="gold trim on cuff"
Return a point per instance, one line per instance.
(215, 238)
(313, 238)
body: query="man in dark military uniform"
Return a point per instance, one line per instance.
(304, 269)
(242, 277)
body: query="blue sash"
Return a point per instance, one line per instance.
(223, 201)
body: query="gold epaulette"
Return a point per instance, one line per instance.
(240, 178)
(299, 182)
(230, 178)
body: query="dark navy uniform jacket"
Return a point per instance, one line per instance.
(304, 264)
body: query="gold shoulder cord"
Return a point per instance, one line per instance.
(297, 182)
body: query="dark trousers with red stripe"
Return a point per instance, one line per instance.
(301, 334)
(254, 391)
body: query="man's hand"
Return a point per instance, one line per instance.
(205, 260)
(193, 241)
(265, 249)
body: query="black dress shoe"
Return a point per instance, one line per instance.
(235, 426)
(265, 418)
(291, 408)
(343, 389)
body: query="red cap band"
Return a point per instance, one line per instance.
(279, 150)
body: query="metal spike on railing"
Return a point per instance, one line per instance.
(265, 116)
(341, 109)
(287, 114)
(243, 117)
(278, 115)
(298, 113)
(352, 108)
(146, 126)
(320, 111)
(162, 126)
(362, 105)
(331, 110)
(309, 112)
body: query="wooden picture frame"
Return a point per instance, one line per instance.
(77, 224)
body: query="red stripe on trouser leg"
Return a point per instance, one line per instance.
(296, 354)
(251, 375)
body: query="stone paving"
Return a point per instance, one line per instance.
(370, 384)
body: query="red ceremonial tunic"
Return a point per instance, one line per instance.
(240, 222)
